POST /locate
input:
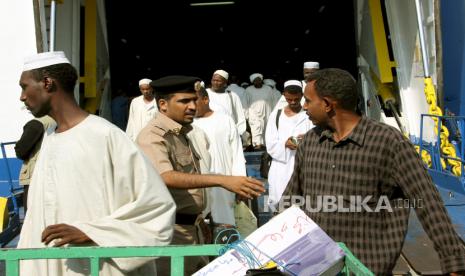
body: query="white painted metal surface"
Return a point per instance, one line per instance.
(18, 40)
(403, 27)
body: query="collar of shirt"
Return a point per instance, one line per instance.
(357, 136)
(169, 125)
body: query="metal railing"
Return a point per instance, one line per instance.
(352, 266)
(177, 254)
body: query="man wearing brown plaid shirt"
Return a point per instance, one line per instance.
(350, 156)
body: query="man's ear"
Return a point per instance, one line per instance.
(49, 84)
(330, 104)
(163, 105)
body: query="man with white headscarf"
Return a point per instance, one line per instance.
(309, 67)
(260, 103)
(224, 101)
(92, 186)
(142, 109)
(276, 93)
(285, 129)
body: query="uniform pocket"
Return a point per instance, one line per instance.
(184, 162)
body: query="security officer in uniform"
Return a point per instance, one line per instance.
(165, 141)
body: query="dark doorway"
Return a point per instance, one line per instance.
(157, 38)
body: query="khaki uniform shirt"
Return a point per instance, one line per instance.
(165, 143)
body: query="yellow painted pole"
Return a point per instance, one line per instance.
(90, 57)
(379, 35)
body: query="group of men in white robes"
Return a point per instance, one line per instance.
(94, 186)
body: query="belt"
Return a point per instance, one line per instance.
(223, 225)
(185, 219)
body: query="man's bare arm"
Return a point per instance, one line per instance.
(244, 186)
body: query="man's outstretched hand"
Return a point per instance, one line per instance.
(246, 187)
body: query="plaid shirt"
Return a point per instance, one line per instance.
(375, 161)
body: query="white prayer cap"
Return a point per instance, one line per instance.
(244, 84)
(145, 81)
(311, 65)
(293, 82)
(255, 75)
(222, 73)
(269, 82)
(44, 59)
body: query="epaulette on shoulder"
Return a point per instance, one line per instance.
(159, 131)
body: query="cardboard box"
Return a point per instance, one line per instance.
(292, 240)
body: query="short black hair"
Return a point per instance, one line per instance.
(64, 74)
(165, 97)
(336, 84)
(293, 89)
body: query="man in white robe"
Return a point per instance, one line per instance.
(309, 67)
(226, 154)
(260, 102)
(238, 90)
(282, 138)
(141, 110)
(276, 93)
(224, 101)
(91, 184)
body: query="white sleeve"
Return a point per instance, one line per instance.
(275, 145)
(130, 125)
(238, 159)
(201, 144)
(241, 124)
(144, 210)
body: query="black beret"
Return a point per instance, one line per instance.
(172, 84)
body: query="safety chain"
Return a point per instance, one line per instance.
(446, 147)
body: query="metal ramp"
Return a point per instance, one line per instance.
(418, 249)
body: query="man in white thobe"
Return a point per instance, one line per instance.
(142, 109)
(309, 67)
(260, 102)
(224, 101)
(226, 154)
(91, 184)
(282, 138)
(238, 90)
(276, 93)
